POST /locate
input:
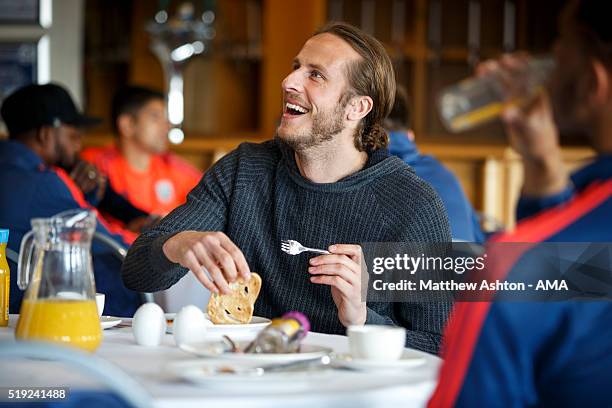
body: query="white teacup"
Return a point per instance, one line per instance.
(100, 302)
(374, 342)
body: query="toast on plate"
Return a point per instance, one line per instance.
(238, 306)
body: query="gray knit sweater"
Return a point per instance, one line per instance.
(256, 195)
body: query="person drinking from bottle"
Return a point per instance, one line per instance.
(547, 353)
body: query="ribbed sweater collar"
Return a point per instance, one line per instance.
(379, 164)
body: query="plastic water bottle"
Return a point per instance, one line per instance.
(282, 335)
(475, 101)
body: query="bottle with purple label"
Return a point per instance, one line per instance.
(282, 335)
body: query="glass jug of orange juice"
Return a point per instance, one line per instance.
(55, 269)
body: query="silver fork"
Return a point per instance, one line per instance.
(294, 248)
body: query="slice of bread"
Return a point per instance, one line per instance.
(237, 307)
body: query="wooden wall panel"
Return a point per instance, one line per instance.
(145, 69)
(467, 171)
(287, 24)
(220, 97)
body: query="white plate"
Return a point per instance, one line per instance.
(257, 323)
(408, 360)
(216, 349)
(210, 373)
(108, 321)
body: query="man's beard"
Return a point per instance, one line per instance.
(65, 161)
(324, 127)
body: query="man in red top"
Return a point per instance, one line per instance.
(139, 167)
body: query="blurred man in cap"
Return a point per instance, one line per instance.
(44, 128)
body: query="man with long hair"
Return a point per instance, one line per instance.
(326, 181)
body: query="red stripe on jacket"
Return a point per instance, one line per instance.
(78, 196)
(467, 318)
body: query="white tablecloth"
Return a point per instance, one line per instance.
(149, 366)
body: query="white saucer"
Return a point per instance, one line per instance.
(217, 349)
(108, 321)
(257, 323)
(408, 360)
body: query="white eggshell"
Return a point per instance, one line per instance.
(189, 325)
(149, 325)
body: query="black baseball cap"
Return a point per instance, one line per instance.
(34, 106)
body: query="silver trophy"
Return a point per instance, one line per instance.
(174, 41)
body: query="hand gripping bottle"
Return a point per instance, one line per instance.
(476, 101)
